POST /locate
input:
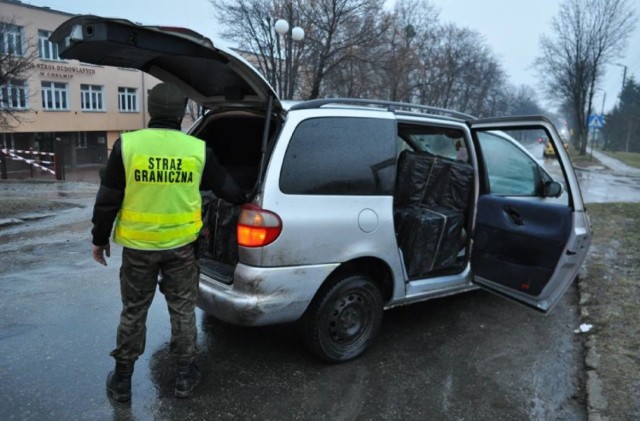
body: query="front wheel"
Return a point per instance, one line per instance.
(343, 318)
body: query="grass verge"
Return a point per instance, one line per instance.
(630, 158)
(583, 161)
(610, 301)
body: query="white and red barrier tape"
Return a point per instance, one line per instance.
(29, 152)
(11, 153)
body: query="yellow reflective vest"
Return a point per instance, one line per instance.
(161, 208)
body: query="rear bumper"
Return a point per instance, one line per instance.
(262, 296)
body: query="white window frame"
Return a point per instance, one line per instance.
(91, 97)
(48, 50)
(55, 96)
(81, 140)
(8, 141)
(127, 100)
(12, 41)
(14, 96)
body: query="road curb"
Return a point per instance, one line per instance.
(596, 401)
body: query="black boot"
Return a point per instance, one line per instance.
(187, 379)
(119, 382)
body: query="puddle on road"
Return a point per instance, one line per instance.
(47, 190)
(47, 249)
(600, 187)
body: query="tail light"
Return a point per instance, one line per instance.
(257, 227)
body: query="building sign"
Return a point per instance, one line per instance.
(62, 71)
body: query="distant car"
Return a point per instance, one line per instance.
(549, 151)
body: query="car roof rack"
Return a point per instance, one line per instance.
(389, 105)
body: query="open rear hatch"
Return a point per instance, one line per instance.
(210, 75)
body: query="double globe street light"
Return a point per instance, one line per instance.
(289, 36)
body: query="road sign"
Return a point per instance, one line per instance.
(596, 121)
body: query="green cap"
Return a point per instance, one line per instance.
(166, 100)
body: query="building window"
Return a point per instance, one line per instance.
(54, 96)
(8, 142)
(11, 40)
(81, 140)
(91, 98)
(127, 100)
(13, 95)
(48, 50)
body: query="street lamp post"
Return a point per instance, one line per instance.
(600, 137)
(289, 36)
(624, 74)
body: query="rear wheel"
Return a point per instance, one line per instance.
(343, 318)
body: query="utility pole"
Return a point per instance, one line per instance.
(624, 73)
(600, 140)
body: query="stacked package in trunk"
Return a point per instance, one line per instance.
(431, 198)
(222, 218)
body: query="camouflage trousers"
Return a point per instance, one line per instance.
(179, 284)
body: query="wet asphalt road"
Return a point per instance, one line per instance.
(471, 356)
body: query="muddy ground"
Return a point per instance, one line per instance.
(610, 302)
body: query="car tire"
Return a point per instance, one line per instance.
(343, 318)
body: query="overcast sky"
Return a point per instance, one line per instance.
(512, 29)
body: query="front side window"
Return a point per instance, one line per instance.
(13, 95)
(91, 98)
(510, 171)
(54, 96)
(127, 100)
(340, 156)
(48, 50)
(11, 41)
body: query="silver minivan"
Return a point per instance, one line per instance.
(357, 205)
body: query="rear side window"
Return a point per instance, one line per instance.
(340, 156)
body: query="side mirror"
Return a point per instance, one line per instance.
(552, 189)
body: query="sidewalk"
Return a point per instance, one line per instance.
(87, 174)
(84, 173)
(616, 165)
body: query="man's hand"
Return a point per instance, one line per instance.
(99, 252)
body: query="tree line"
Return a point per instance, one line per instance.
(585, 37)
(358, 49)
(622, 127)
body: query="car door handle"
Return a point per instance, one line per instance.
(513, 215)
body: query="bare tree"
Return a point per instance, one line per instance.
(458, 70)
(337, 31)
(16, 61)
(411, 31)
(353, 48)
(587, 35)
(251, 24)
(523, 101)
